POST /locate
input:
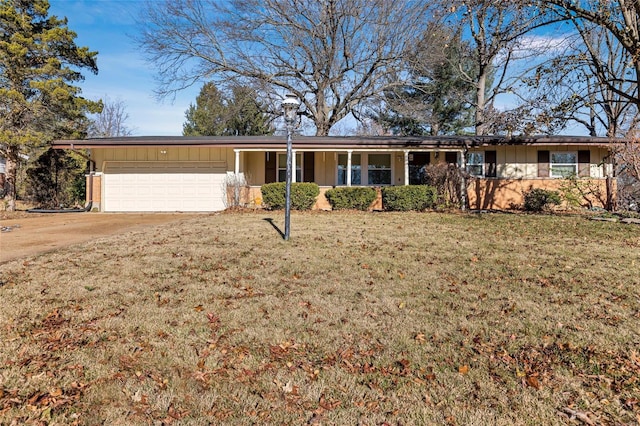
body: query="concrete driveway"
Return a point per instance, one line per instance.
(30, 235)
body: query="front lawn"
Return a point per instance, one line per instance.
(362, 318)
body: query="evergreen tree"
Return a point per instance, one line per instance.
(57, 179)
(39, 63)
(440, 99)
(208, 115)
(215, 114)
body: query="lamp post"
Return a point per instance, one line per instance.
(290, 107)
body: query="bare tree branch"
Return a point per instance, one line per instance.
(496, 28)
(332, 54)
(112, 121)
(621, 18)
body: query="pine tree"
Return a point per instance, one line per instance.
(39, 65)
(439, 99)
(215, 114)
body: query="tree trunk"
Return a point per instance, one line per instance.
(480, 104)
(10, 176)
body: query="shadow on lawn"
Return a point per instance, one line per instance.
(268, 219)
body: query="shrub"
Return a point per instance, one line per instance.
(538, 199)
(447, 179)
(303, 195)
(359, 198)
(582, 192)
(410, 197)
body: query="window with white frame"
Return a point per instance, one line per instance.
(282, 167)
(564, 164)
(475, 163)
(356, 169)
(379, 169)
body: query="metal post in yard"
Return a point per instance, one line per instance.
(290, 106)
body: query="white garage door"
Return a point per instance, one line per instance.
(163, 186)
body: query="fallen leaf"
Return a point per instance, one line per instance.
(46, 414)
(55, 392)
(533, 382)
(328, 404)
(463, 369)
(34, 398)
(199, 308)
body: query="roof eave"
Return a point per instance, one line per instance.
(336, 142)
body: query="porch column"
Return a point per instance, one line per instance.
(406, 167)
(349, 167)
(237, 164)
(293, 166)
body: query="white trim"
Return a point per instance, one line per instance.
(481, 164)
(364, 165)
(294, 164)
(355, 149)
(349, 164)
(575, 164)
(406, 167)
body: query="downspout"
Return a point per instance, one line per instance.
(92, 171)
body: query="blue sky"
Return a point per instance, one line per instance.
(108, 26)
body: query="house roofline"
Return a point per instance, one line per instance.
(337, 142)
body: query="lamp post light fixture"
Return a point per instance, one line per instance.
(290, 107)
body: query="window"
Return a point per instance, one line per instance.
(282, 167)
(379, 169)
(356, 169)
(564, 164)
(418, 162)
(451, 157)
(475, 163)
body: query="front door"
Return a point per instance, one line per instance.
(418, 161)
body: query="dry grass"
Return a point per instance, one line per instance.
(362, 318)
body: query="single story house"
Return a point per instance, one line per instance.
(171, 173)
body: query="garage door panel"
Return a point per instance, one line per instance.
(149, 186)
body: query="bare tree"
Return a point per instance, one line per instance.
(574, 86)
(332, 54)
(112, 121)
(497, 30)
(621, 18)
